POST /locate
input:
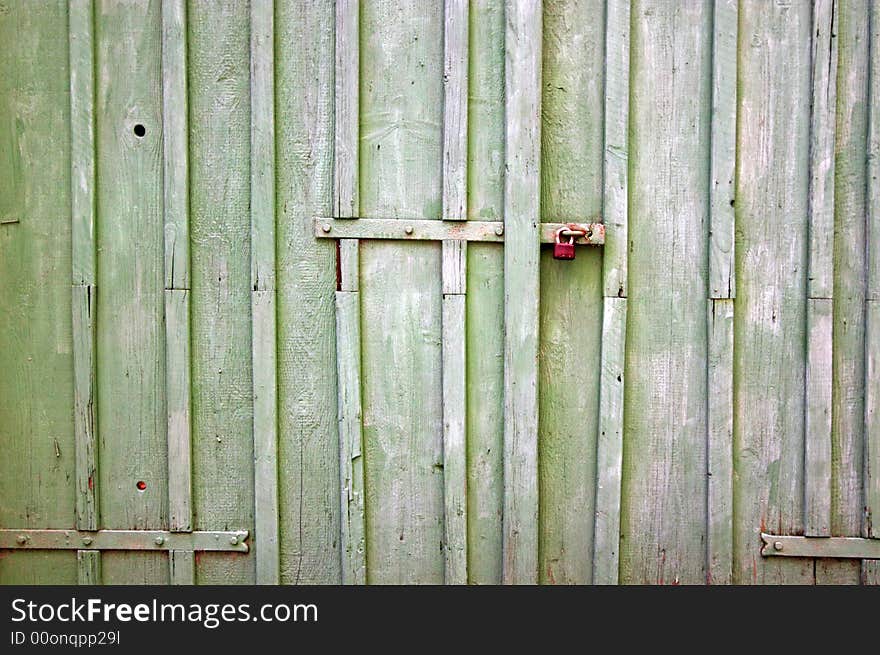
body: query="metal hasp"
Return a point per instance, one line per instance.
(836, 547)
(235, 540)
(587, 234)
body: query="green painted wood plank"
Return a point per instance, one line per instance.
(175, 117)
(181, 567)
(400, 164)
(848, 360)
(872, 417)
(522, 83)
(454, 439)
(485, 298)
(817, 420)
(84, 305)
(722, 272)
(88, 567)
(308, 451)
(719, 540)
(178, 386)
(348, 354)
(220, 224)
(773, 98)
(454, 285)
(130, 331)
(37, 469)
(663, 531)
(609, 457)
(263, 246)
(616, 172)
(347, 116)
(571, 292)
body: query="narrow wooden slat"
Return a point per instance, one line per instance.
(84, 406)
(454, 267)
(606, 549)
(615, 203)
(722, 273)
(182, 567)
(872, 313)
(521, 290)
(178, 389)
(175, 117)
(454, 439)
(817, 421)
(348, 355)
(264, 339)
(88, 567)
(720, 445)
(872, 416)
(455, 109)
(345, 166)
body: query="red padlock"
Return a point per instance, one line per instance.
(563, 250)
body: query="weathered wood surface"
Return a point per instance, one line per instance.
(571, 292)
(663, 529)
(125, 540)
(89, 567)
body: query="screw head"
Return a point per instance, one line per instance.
(777, 545)
(159, 540)
(499, 230)
(233, 541)
(87, 541)
(22, 539)
(326, 227)
(408, 229)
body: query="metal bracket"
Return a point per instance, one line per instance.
(837, 547)
(415, 230)
(235, 540)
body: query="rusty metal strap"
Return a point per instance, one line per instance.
(159, 540)
(847, 547)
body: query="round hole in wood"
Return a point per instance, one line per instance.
(139, 130)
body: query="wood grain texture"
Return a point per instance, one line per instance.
(871, 527)
(88, 567)
(722, 272)
(85, 309)
(817, 420)
(609, 458)
(719, 540)
(872, 417)
(848, 361)
(663, 531)
(130, 319)
(400, 162)
(37, 468)
(485, 308)
(615, 206)
(178, 384)
(264, 332)
(182, 567)
(308, 444)
(454, 268)
(773, 81)
(455, 108)
(220, 249)
(522, 213)
(571, 292)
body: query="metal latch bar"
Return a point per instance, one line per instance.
(235, 540)
(837, 547)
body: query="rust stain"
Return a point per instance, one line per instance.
(91, 483)
(550, 574)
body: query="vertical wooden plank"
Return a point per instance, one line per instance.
(722, 272)
(847, 433)
(88, 567)
(400, 165)
(665, 419)
(616, 193)
(264, 337)
(571, 291)
(38, 482)
(130, 320)
(454, 274)
(773, 122)
(220, 248)
(817, 444)
(348, 334)
(522, 85)
(84, 305)
(348, 354)
(308, 450)
(606, 549)
(175, 128)
(485, 298)
(181, 565)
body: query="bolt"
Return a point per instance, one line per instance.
(159, 540)
(326, 227)
(408, 229)
(233, 541)
(87, 541)
(22, 539)
(499, 230)
(777, 545)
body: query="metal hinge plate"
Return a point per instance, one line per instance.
(235, 540)
(837, 547)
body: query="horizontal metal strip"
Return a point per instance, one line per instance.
(235, 540)
(415, 230)
(789, 546)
